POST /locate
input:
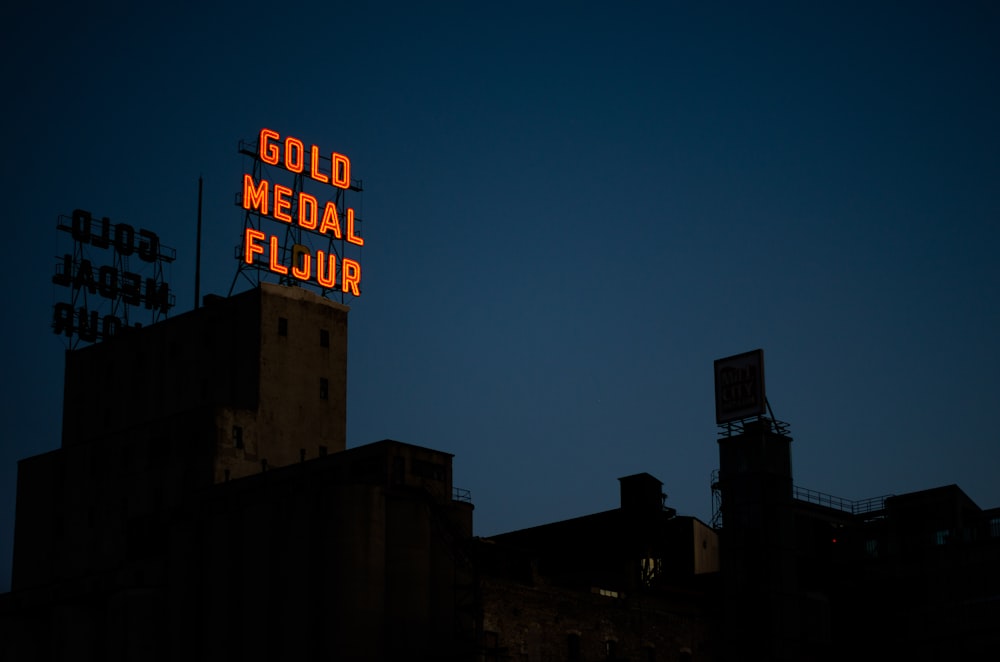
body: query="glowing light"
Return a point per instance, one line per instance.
(269, 152)
(295, 154)
(308, 211)
(341, 175)
(274, 265)
(250, 246)
(314, 166)
(300, 255)
(351, 237)
(281, 203)
(278, 202)
(331, 221)
(350, 276)
(254, 197)
(326, 270)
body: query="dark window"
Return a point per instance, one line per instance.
(650, 654)
(324, 338)
(237, 436)
(611, 649)
(322, 451)
(573, 648)
(282, 326)
(324, 388)
(425, 469)
(491, 646)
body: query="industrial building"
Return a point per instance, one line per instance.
(633, 583)
(203, 504)
(808, 576)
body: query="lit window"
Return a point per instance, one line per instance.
(649, 568)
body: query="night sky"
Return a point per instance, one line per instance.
(569, 212)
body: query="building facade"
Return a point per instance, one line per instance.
(202, 505)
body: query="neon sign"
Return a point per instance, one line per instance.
(118, 284)
(300, 211)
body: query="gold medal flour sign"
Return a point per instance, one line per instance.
(277, 202)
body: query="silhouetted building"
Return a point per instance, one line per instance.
(202, 505)
(808, 576)
(634, 583)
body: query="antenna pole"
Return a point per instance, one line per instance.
(197, 253)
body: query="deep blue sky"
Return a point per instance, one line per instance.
(570, 212)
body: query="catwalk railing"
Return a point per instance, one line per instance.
(860, 507)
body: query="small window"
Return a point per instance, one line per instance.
(941, 537)
(324, 338)
(237, 436)
(282, 326)
(611, 649)
(324, 388)
(995, 527)
(573, 648)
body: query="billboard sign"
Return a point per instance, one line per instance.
(308, 234)
(739, 387)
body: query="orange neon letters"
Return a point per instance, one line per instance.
(326, 270)
(308, 211)
(295, 154)
(268, 151)
(351, 237)
(281, 203)
(274, 265)
(341, 171)
(250, 245)
(302, 263)
(255, 197)
(301, 254)
(314, 166)
(330, 220)
(350, 276)
(295, 159)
